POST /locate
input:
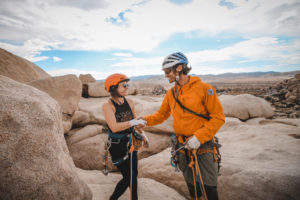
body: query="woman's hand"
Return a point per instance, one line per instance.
(137, 122)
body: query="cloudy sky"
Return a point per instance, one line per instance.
(101, 37)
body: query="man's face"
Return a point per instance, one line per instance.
(169, 73)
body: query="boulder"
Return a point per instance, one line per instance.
(245, 106)
(86, 146)
(19, 69)
(297, 76)
(79, 134)
(103, 186)
(86, 79)
(97, 89)
(261, 159)
(34, 158)
(67, 122)
(80, 119)
(64, 89)
(157, 143)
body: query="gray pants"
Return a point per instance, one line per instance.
(207, 166)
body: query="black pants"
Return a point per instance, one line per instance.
(124, 183)
(211, 191)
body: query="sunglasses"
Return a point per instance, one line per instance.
(125, 85)
(167, 71)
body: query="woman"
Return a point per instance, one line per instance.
(119, 114)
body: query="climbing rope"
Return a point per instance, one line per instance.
(195, 167)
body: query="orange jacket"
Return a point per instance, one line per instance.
(199, 97)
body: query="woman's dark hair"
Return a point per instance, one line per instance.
(185, 69)
(113, 89)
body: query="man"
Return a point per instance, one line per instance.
(197, 116)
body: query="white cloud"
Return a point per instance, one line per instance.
(123, 54)
(31, 49)
(139, 62)
(149, 23)
(255, 49)
(56, 59)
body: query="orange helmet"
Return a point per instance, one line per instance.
(114, 79)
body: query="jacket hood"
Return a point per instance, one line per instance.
(193, 80)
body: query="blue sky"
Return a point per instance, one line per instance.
(102, 37)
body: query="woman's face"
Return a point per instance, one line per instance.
(122, 88)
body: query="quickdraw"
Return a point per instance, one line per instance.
(105, 157)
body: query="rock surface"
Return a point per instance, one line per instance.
(245, 106)
(34, 158)
(285, 97)
(64, 89)
(85, 80)
(19, 69)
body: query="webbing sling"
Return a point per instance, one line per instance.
(190, 111)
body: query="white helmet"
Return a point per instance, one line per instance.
(174, 59)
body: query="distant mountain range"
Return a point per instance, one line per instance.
(225, 75)
(220, 76)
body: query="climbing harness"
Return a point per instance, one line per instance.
(135, 141)
(175, 152)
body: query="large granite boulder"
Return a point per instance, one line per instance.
(19, 69)
(34, 158)
(82, 118)
(260, 160)
(245, 106)
(64, 89)
(97, 89)
(86, 145)
(85, 80)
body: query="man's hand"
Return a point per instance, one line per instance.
(141, 126)
(193, 143)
